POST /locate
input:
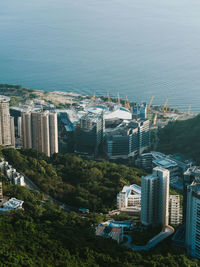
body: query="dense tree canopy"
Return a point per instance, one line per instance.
(43, 235)
(73, 180)
(182, 137)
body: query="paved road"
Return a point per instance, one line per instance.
(30, 185)
(153, 242)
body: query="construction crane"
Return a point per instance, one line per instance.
(94, 99)
(118, 99)
(189, 110)
(164, 107)
(150, 103)
(127, 104)
(109, 99)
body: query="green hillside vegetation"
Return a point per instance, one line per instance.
(43, 235)
(73, 180)
(181, 137)
(17, 93)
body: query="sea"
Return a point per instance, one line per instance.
(137, 48)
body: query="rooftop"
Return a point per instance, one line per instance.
(4, 98)
(109, 230)
(13, 203)
(195, 170)
(165, 163)
(112, 112)
(131, 189)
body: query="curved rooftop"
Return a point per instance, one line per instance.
(110, 113)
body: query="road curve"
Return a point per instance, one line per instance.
(153, 242)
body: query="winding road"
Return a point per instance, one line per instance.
(153, 242)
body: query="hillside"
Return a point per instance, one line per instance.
(17, 93)
(73, 180)
(181, 137)
(43, 235)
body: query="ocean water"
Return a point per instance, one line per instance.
(138, 48)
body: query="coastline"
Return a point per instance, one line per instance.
(20, 95)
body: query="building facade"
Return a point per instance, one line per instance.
(89, 134)
(19, 127)
(26, 129)
(40, 131)
(12, 131)
(192, 236)
(53, 130)
(7, 130)
(128, 141)
(143, 134)
(140, 111)
(145, 161)
(168, 164)
(1, 194)
(122, 144)
(190, 175)
(174, 209)
(155, 198)
(130, 196)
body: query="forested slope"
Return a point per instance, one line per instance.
(181, 137)
(73, 180)
(43, 235)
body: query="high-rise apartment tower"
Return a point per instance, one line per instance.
(192, 237)
(155, 197)
(40, 131)
(6, 123)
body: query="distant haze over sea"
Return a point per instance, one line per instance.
(138, 48)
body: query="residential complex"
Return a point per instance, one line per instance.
(40, 131)
(11, 173)
(155, 198)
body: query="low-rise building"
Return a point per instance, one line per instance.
(130, 196)
(112, 229)
(18, 179)
(11, 173)
(116, 233)
(11, 204)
